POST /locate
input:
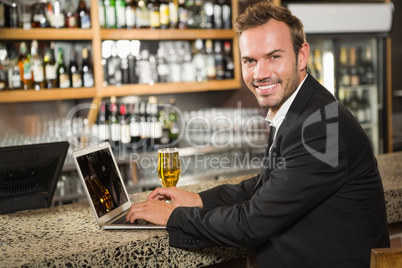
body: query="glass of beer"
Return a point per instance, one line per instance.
(169, 166)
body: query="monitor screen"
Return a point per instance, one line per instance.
(102, 181)
(29, 175)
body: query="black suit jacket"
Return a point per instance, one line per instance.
(318, 202)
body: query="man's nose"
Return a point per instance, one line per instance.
(262, 71)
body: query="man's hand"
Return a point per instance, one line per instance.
(177, 197)
(155, 211)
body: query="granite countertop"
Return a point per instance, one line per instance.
(68, 236)
(390, 167)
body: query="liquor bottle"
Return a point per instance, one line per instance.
(58, 15)
(50, 67)
(317, 64)
(210, 60)
(134, 125)
(164, 14)
(84, 18)
(199, 61)
(209, 14)
(174, 130)
(125, 138)
(121, 14)
(16, 82)
(144, 126)
(220, 69)
(3, 67)
(38, 73)
(13, 17)
(344, 76)
(155, 125)
(114, 124)
(164, 120)
(354, 104)
(173, 14)
(154, 14)
(87, 74)
(2, 15)
(25, 66)
(218, 19)
(369, 71)
(142, 14)
(353, 70)
(130, 14)
(227, 14)
(39, 19)
(101, 13)
(143, 64)
(110, 14)
(132, 63)
(183, 14)
(103, 123)
(228, 62)
(175, 62)
(163, 66)
(71, 17)
(114, 74)
(75, 72)
(63, 77)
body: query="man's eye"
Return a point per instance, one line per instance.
(275, 56)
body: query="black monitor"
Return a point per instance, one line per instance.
(29, 175)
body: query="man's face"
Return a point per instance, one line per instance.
(269, 63)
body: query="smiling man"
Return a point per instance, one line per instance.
(324, 205)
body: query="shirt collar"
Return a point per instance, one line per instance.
(276, 120)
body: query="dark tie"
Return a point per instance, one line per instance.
(271, 136)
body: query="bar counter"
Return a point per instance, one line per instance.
(68, 236)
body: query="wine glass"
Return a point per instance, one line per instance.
(168, 166)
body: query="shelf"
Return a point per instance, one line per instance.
(169, 88)
(46, 94)
(168, 34)
(46, 34)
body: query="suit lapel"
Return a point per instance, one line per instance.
(295, 110)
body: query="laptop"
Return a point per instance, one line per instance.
(29, 175)
(105, 188)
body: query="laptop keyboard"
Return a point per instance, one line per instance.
(122, 220)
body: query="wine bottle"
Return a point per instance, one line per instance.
(110, 14)
(227, 14)
(50, 67)
(63, 77)
(103, 123)
(25, 66)
(101, 13)
(58, 15)
(75, 72)
(228, 62)
(183, 14)
(134, 125)
(87, 74)
(114, 124)
(71, 17)
(173, 14)
(353, 70)
(220, 70)
(130, 14)
(208, 9)
(210, 60)
(84, 18)
(344, 76)
(174, 122)
(38, 74)
(218, 19)
(164, 14)
(121, 14)
(199, 61)
(142, 15)
(125, 138)
(154, 14)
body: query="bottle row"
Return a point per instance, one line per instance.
(358, 102)
(149, 62)
(355, 65)
(136, 126)
(164, 14)
(39, 68)
(44, 65)
(45, 14)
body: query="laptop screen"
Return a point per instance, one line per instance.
(102, 181)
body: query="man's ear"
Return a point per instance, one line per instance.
(303, 56)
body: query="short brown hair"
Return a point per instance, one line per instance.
(260, 13)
